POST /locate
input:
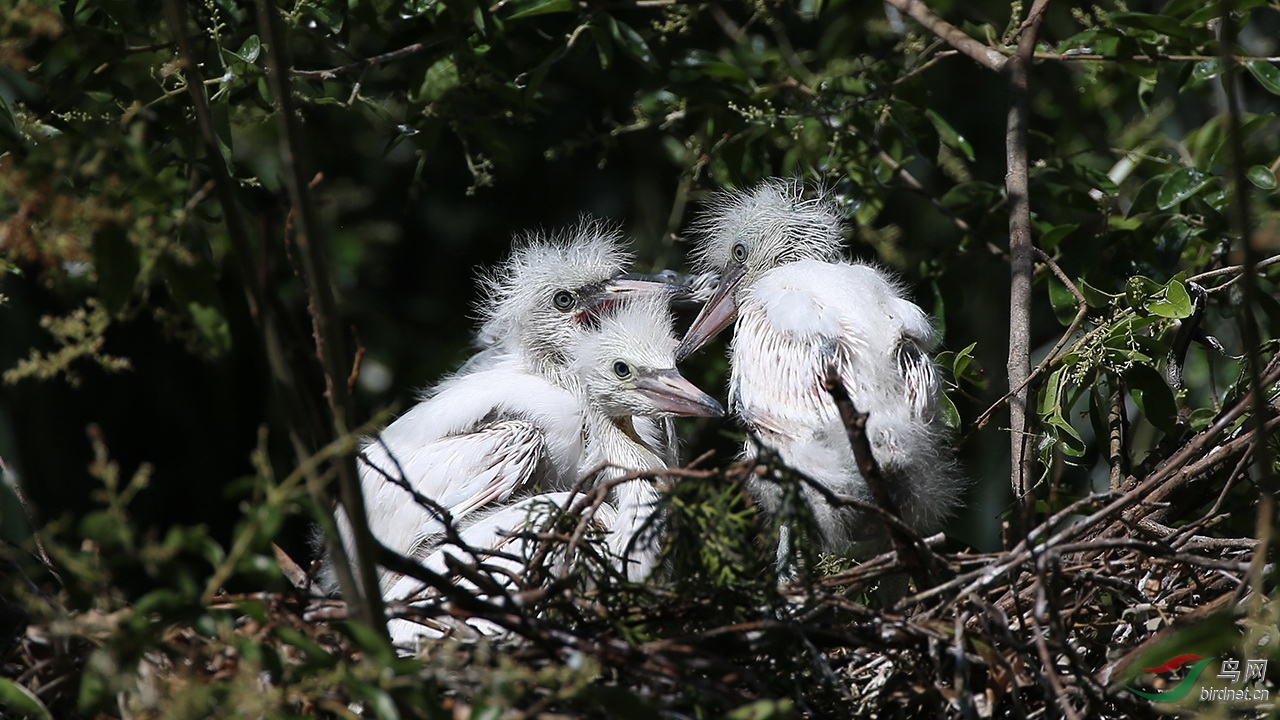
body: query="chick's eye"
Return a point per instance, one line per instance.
(739, 251)
(563, 300)
(622, 370)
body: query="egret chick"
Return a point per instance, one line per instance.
(511, 420)
(799, 307)
(625, 370)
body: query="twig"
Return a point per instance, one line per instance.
(1238, 212)
(10, 478)
(985, 56)
(334, 72)
(362, 594)
(855, 425)
(1071, 56)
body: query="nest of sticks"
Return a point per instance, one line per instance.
(1057, 625)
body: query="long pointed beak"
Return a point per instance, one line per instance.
(716, 315)
(666, 282)
(598, 298)
(672, 393)
(687, 289)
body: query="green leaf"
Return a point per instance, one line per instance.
(1262, 176)
(250, 49)
(1167, 301)
(373, 643)
(440, 78)
(1267, 74)
(1138, 289)
(1155, 23)
(94, 690)
(631, 41)
(950, 414)
(949, 136)
(315, 652)
(20, 700)
(116, 260)
(604, 45)
(965, 367)
(1181, 185)
(711, 65)
(1063, 302)
(1175, 304)
(1094, 297)
(1072, 443)
(379, 111)
(1049, 395)
(1153, 396)
(1051, 238)
(530, 8)
(1207, 69)
(763, 710)
(211, 324)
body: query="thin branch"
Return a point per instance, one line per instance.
(1237, 270)
(333, 72)
(986, 56)
(1070, 56)
(1020, 252)
(264, 305)
(1238, 212)
(363, 595)
(855, 425)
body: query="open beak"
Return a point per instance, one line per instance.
(672, 393)
(618, 288)
(716, 315)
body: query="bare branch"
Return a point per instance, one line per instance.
(334, 72)
(985, 56)
(855, 425)
(1020, 252)
(363, 595)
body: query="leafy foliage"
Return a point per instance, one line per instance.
(145, 215)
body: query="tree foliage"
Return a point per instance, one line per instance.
(156, 288)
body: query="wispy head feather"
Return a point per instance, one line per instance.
(517, 297)
(638, 331)
(775, 221)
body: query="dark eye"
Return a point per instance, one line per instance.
(622, 370)
(739, 251)
(563, 300)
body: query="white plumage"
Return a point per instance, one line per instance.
(800, 306)
(512, 419)
(625, 370)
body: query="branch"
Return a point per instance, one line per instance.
(363, 595)
(1238, 212)
(985, 56)
(855, 425)
(334, 72)
(1143, 59)
(1020, 252)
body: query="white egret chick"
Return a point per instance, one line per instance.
(800, 306)
(512, 419)
(625, 369)
(628, 371)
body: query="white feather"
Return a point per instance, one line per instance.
(801, 307)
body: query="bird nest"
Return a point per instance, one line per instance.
(1059, 625)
